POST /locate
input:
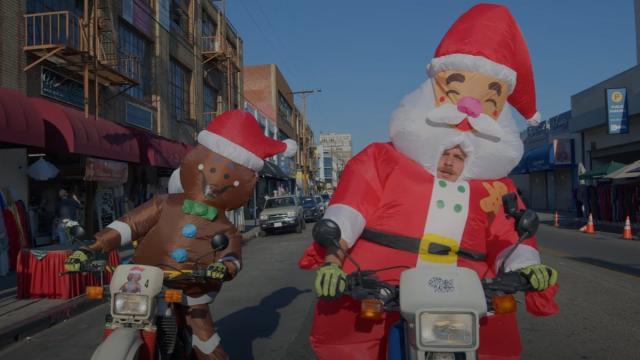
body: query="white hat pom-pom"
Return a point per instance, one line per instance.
(292, 148)
(535, 119)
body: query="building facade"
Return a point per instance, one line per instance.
(340, 145)
(328, 168)
(115, 94)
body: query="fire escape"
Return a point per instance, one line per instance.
(224, 53)
(84, 45)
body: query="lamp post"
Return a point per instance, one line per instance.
(300, 129)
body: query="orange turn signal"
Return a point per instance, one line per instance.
(504, 304)
(371, 309)
(173, 295)
(95, 292)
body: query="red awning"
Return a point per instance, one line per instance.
(69, 131)
(159, 151)
(20, 123)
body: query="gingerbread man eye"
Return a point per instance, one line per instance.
(226, 176)
(212, 170)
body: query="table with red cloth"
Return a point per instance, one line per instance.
(38, 272)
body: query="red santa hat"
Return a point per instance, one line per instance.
(136, 270)
(237, 136)
(487, 39)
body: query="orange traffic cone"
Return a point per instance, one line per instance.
(626, 234)
(590, 228)
(556, 221)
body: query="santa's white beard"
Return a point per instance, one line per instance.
(492, 152)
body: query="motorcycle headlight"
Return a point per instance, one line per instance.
(291, 213)
(448, 330)
(131, 304)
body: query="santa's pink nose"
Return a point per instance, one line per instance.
(470, 106)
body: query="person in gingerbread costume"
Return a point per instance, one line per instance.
(219, 174)
(440, 180)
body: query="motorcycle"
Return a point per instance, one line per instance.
(143, 322)
(440, 307)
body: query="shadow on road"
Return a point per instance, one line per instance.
(629, 270)
(239, 329)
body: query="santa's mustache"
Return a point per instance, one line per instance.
(448, 115)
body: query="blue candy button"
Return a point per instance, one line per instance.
(189, 230)
(179, 255)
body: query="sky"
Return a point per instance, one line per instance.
(366, 56)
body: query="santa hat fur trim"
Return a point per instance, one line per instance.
(473, 63)
(230, 150)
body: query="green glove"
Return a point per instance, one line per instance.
(331, 281)
(218, 271)
(540, 276)
(79, 257)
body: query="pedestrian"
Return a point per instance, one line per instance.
(66, 208)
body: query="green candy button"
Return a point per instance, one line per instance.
(457, 208)
(440, 204)
(461, 189)
(442, 183)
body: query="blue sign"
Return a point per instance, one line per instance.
(62, 88)
(139, 116)
(617, 111)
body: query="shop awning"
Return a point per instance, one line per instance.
(20, 123)
(630, 171)
(602, 170)
(67, 130)
(272, 170)
(159, 151)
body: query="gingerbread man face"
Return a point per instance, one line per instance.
(213, 179)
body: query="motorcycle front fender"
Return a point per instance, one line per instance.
(122, 343)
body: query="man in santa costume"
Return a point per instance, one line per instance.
(441, 179)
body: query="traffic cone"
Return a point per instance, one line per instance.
(590, 228)
(626, 234)
(556, 220)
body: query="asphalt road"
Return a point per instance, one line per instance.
(266, 312)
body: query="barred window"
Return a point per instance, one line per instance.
(180, 82)
(133, 45)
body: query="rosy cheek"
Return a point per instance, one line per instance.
(441, 99)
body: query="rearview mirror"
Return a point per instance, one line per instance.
(219, 242)
(528, 223)
(326, 232)
(510, 204)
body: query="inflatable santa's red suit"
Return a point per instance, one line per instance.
(479, 72)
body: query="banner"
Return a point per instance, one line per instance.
(617, 111)
(562, 152)
(108, 171)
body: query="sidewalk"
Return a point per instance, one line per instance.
(568, 220)
(21, 318)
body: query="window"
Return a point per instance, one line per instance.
(179, 13)
(210, 97)
(328, 162)
(180, 82)
(284, 109)
(208, 34)
(132, 45)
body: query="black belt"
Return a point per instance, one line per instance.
(412, 245)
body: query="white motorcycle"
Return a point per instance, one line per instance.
(440, 307)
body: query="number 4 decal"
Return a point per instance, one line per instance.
(146, 283)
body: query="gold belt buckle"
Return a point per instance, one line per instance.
(429, 238)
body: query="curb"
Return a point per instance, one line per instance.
(19, 331)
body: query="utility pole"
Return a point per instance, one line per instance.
(303, 147)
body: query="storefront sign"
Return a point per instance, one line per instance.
(537, 134)
(617, 111)
(60, 87)
(108, 171)
(139, 116)
(562, 151)
(560, 123)
(136, 12)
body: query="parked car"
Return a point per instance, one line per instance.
(325, 197)
(282, 212)
(321, 204)
(311, 208)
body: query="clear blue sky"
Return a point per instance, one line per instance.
(367, 55)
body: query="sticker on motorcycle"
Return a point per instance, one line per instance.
(441, 286)
(133, 281)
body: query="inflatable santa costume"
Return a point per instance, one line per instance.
(480, 70)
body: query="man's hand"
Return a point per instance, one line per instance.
(218, 271)
(79, 257)
(331, 281)
(540, 276)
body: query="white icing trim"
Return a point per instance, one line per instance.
(350, 221)
(175, 185)
(473, 63)
(207, 347)
(124, 229)
(523, 256)
(204, 299)
(230, 150)
(232, 259)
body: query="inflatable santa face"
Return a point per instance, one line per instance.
(480, 71)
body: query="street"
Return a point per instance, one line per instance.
(266, 312)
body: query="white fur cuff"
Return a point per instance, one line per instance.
(523, 256)
(350, 221)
